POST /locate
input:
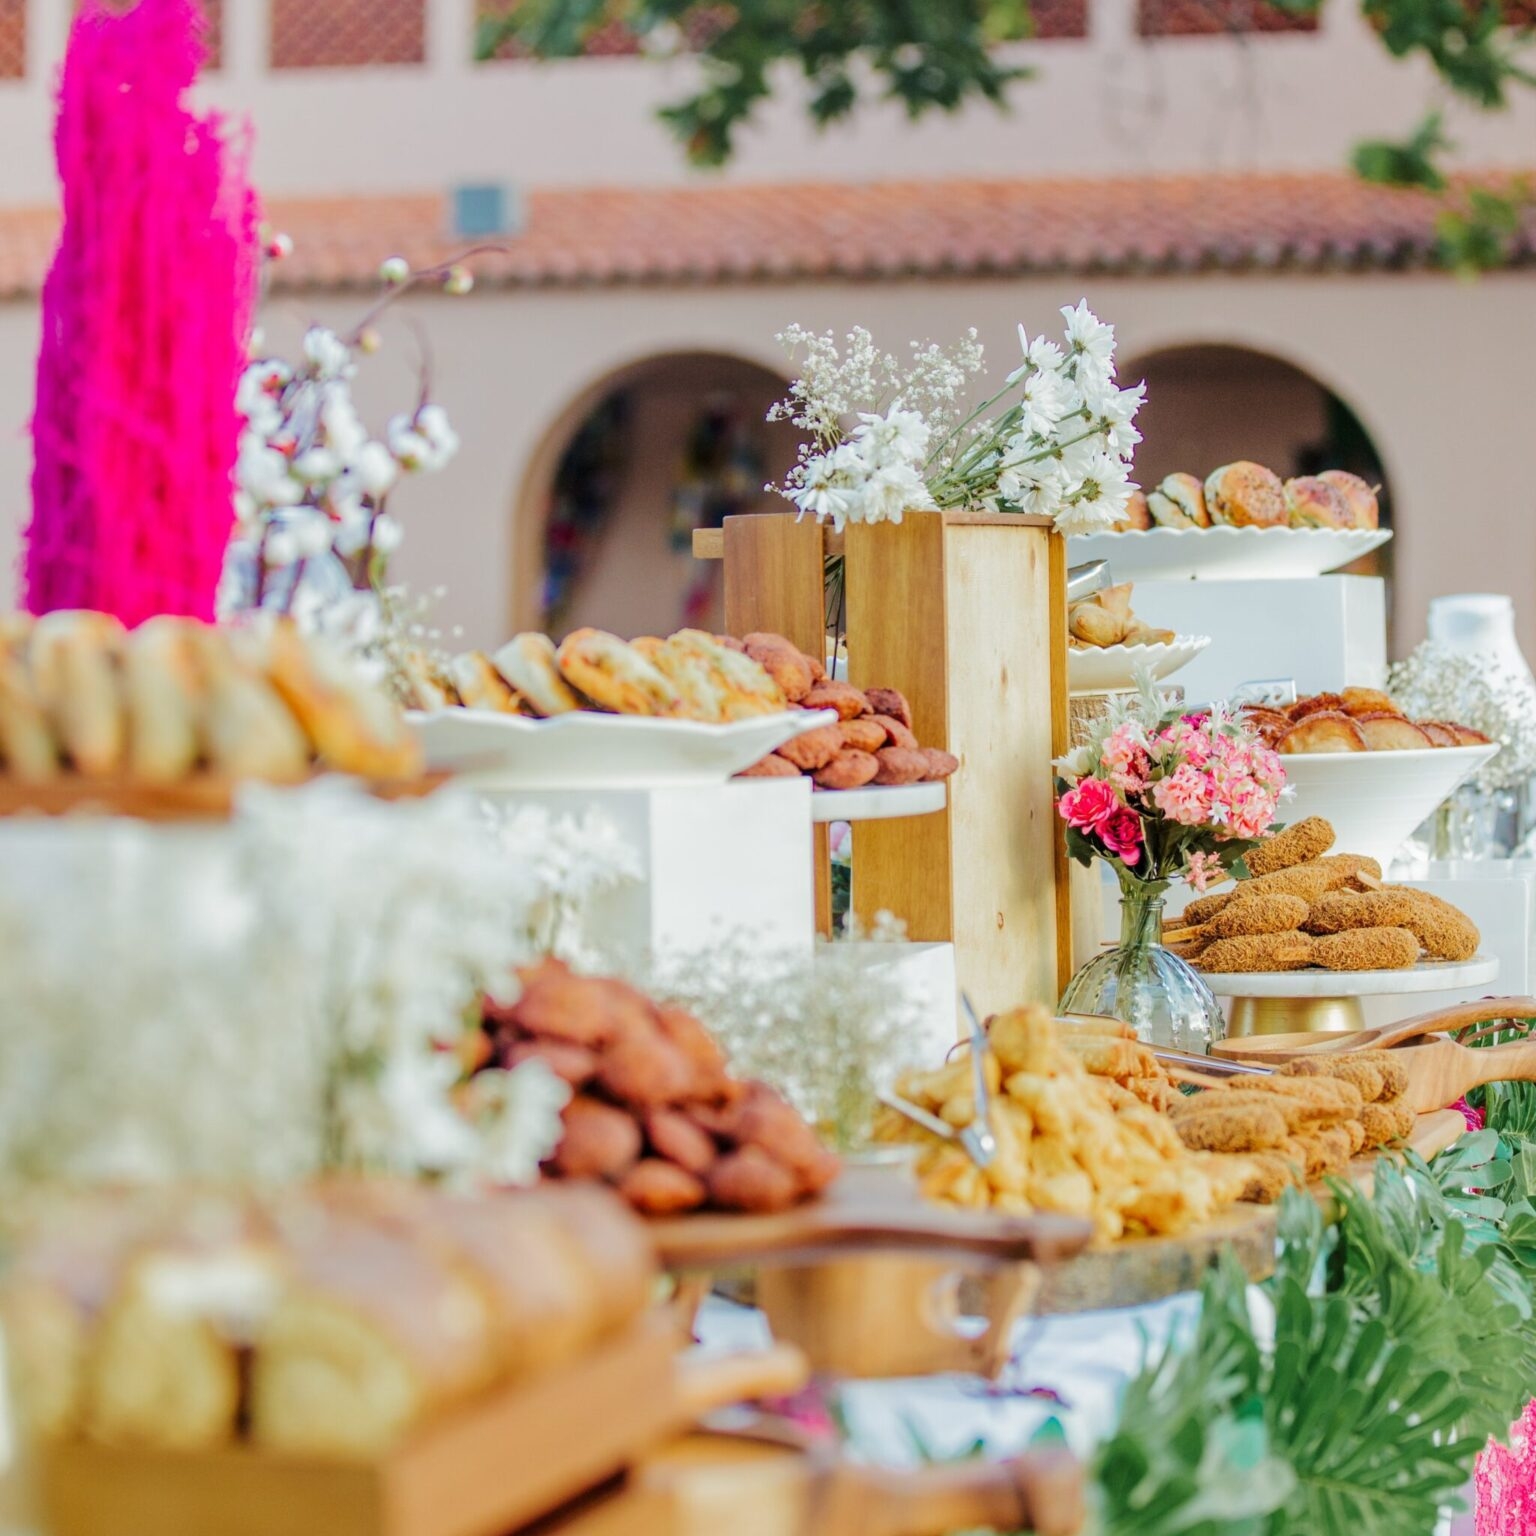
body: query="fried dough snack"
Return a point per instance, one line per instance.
(1299, 844)
(1258, 952)
(1276, 913)
(1366, 949)
(1220, 1127)
(1367, 1076)
(1202, 909)
(1445, 932)
(1309, 881)
(1386, 1122)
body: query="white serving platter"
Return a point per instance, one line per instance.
(1224, 554)
(1106, 669)
(587, 750)
(1375, 800)
(1427, 976)
(879, 802)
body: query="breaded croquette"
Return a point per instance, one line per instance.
(1299, 844)
(1386, 1122)
(1343, 867)
(1445, 931)
(1258, 952)
(1342, 910)
(1295, 1112)
(1309, 881)
(1253, 1128)
(1276, 913)
(1393, 1069)
(1327, 1150)
(1274, 1173)
(1347, 1067)
(1366, 949)
(1202, 909)
(1356, 1131)
(1329, 1097)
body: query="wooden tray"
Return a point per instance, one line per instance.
(483, 1470)
(868, 1210)
(201, 797)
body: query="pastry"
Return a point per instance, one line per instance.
(1391, 733)
(615, 676)
(1094, 625)
(1366, 701)
(900, 765)
(571, 1063)
(528, 664)
(1297, 844)
(1313, 502)
(1366, 949)
(247, 731)
(424, 685)
(656, 1187)
(480, 686)
(941, 764)
(1439, 732)
(1274, 913)
(866, 734)
(1258, 952)
(1245, 495)
(1467, 737)
(749, 688)
(1325, 731)
(813, 749)
(600, 1141)
(1314, 704)
(1179, 502)
(846, 700)
(74, 660)
(751, 1180)
(890, 702)
(1135, 517)
(790, 669)
(848, 770)
(28, 748)
(1358, 497)
(675, 1136)
(161, 691)
(771, 767)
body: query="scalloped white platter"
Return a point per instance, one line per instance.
(1105, 669)
(587, 750)
(1224, 554)
(879, 802)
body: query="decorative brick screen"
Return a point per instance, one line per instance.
(1195, 18)
(341, 34)
(13, 39)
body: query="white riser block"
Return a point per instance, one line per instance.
(717, 861)
(1328, 632)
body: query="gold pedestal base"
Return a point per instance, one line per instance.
(1294, 1015)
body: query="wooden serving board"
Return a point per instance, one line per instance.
(200, 797)
(868, 1210)
(482, 1470)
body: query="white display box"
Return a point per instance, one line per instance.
(1327, 632)
(717, 861)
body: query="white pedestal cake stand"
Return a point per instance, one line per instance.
(1288, 1002)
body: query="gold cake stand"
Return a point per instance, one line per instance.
(1293, 1002)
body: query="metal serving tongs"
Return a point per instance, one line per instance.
(976, 1139)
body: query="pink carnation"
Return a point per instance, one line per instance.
(1184, 796)
(1089, 806)
(1121, 834)
(1125, 758)
(1203, 869)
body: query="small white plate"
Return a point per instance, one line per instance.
(587, 750)
(1224, 554)
(878, 802)
(1104, 669)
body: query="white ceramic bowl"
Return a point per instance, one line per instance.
(1224, 554)
(1103, 669)
(1375, 800)
(595, 751)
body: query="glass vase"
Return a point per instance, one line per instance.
(1145, 984)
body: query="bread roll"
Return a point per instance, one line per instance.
(1179, 502)
(163, 693)
(1359, 498)
(1245, 495)
(374, 1332)
(73, 657)
(1312, 502)
(246, 729)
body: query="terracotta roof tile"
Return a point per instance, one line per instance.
(745, 233)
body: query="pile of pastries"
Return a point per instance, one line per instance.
(1247, 495)
(871, 742)
(1080, 1114)
(688, 676)
(1304, 1122)
(1105, 619)
(80, 695)
(328, 1321)
(1302, 906)
(654, 1110)
(1356, 720)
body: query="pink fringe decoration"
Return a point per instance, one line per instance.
(1506, 1482)
(146, 316)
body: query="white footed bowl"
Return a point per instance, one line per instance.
(1375, 800)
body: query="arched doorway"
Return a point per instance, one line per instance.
(1208, 405)
(631, 468)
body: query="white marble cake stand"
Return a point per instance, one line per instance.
(1287, 1002)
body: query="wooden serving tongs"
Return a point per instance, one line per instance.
(1440, 1070)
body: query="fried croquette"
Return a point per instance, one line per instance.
(1277, 913)
(1202, 910)
(1327, 1150)
(1329, 1097)
(1296, 1113)
(1249, 1128)
(1445, 931)
(1309, 881)
(1356, 1133)
(1273, 1174)
(1299, 844)
(1393, 1069)
(1343, 867)
(1257, 952)
(1386, 1122)
(1366, 949)
(1365, 1075)
(1342, 910)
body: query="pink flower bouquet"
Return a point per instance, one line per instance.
(1169, 797)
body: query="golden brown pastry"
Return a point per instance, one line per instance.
(1313, 704)
(891, 703)
(866, 734)
(1439, 732)
(1179, 502)
(1324, 730)
(1367, 701)
(746, 686)
(615, 676)
(790, 668)
(771, 767)
(1135, 517)
(1257, 952)
(163, 695)
(246, 730)
(74, 659)
(1312, 502)
(656, 1187)
(813, 749)
(1095, 625)
(900, 765)
(1366, 949)
(751, 1180)
(1359, 498)
(941, 764)
(845, 699)
(599, 1141)
(848, 770)
(1391, 733)
(1245, 495)
(480, 686)
(425, 685)
(28, 748)
(528, 664)
(1275, 913)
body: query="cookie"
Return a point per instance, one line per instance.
(848, 770)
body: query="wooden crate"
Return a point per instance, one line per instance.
(965, 613)
(483, 1470)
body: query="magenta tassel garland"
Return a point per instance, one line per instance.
(146, 315)
(1506, 1483)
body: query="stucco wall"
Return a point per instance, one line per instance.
(1435, 368)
